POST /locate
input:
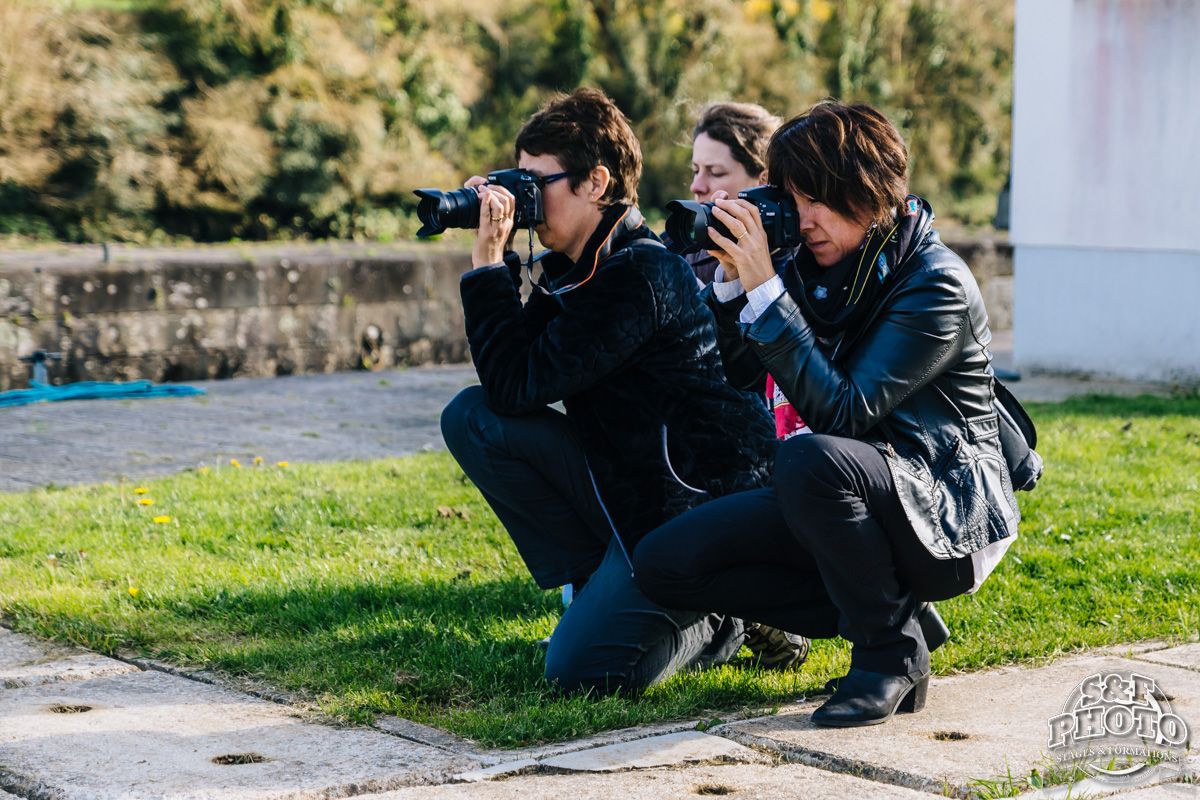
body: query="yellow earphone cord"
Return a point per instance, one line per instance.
(858, 269)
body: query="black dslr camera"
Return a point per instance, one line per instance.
(688, 222)
(460, 208)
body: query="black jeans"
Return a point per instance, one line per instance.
(827, 550)
(532, 472)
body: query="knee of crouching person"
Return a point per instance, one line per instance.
(456, 418)
(650, 573)
(801, 462)
(571, 672)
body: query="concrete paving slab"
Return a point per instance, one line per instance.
(424, 734)
(496, 771)
(974, 726)
(1168, 791)
(1131, 649)
(738, 781)
(1186, 656)
(152, 735)
(688, 747)
(26, 661)
(544, 751)
(1093, 789)
(494, 756)
(6, 796)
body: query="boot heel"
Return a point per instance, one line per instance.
(914, 701)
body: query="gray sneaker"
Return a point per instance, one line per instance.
(774, 648)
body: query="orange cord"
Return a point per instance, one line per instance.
(595, 260)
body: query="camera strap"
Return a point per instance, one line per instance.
(608, 517)
(600, 244)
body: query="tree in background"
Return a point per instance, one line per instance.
(84, 142)
(212, 119)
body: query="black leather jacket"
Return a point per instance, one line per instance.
(914, 379)
(633, 355)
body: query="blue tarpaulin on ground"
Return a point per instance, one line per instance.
(93, 390)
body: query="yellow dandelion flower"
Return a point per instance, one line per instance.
(233, 462)
(258, 460)
(141, 490)
(203, 470)
(281, 464)
(145, 501)
(133, 591)
(161, 518)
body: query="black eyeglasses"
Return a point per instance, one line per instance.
(546, 180)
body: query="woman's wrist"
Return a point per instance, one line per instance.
(485, 254)
(485, 261)
(755, 275)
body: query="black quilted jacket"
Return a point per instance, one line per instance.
(632, 353)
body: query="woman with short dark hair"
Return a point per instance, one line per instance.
(615, 329)
(877, 334)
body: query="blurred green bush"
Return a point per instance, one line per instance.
(151, 120)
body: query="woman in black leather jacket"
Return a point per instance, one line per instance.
(877, 334)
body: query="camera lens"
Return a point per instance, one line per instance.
(440, 210)
(687, 226)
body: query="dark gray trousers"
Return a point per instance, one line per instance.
(532, 471)
(827, 550)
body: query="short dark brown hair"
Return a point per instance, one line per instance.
(583, 130)
(743, 127)
(848, 157)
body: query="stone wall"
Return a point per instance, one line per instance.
(222, 312)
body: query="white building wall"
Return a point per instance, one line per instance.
(1106, 187)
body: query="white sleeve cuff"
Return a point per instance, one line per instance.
(726, 290)
(760, 298)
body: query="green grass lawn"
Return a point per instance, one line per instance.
(389, 587)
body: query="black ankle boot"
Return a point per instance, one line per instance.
(871, 698)
(933, 628)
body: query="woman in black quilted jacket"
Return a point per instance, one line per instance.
(613, 328)
(877, 334)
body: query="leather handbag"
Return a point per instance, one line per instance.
(1018, 438)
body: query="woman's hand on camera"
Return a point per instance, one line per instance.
(496, 209)
(746, 256)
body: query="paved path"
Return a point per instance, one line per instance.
(342, 416)
(78, 725)
(349, 415)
